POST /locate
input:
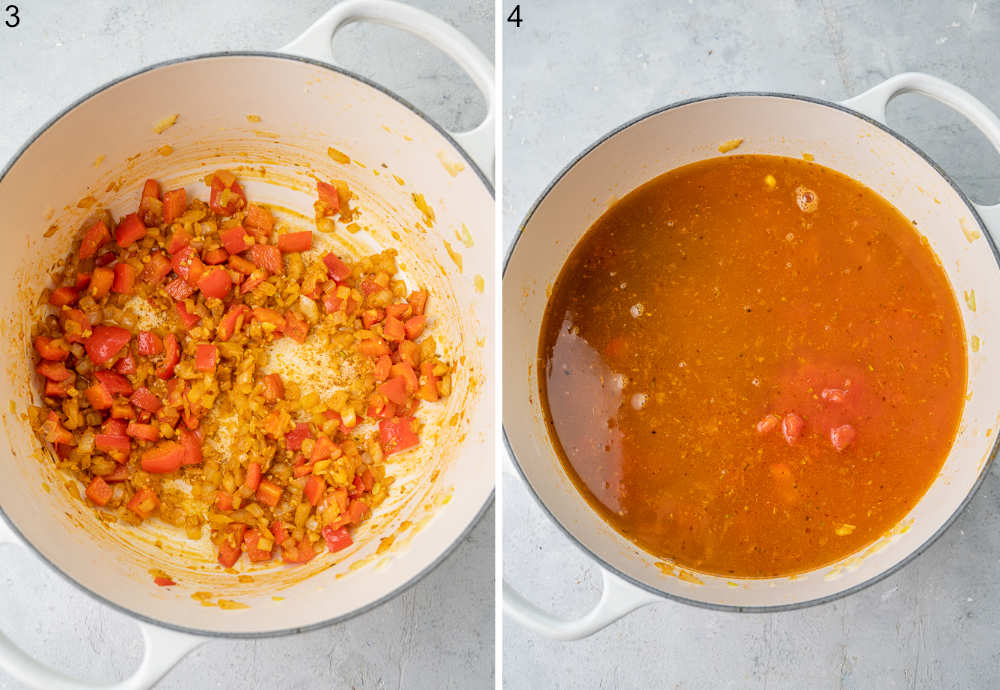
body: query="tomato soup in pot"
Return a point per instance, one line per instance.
(752, 366)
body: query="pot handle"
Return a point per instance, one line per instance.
(618, 598)
(315, 42)
(874, 101)
(163, 649)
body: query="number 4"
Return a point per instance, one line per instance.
(515, 16)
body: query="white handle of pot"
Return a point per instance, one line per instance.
(163, 649)
(874, 101)
(617, 599)
(316, 43)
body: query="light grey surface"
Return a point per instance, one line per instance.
(439, 634)
(575, 70)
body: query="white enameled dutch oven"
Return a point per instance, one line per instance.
(103, 147)
(850, 137)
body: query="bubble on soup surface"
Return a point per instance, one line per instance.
(807, 199)
(639, 400)
(636, 310)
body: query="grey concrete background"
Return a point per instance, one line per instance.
(575, 70)
(439, 634)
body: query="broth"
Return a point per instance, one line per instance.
(752, 366)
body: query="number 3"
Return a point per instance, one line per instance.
(12, 19)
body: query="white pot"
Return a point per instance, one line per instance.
(849, 137)
(304, 107)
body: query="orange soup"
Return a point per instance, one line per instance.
(752, 366)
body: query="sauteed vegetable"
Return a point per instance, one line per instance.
(160, 389)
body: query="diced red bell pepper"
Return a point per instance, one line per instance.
(323, 448)
(191, 443)
(279, 532)
(171, 355)
(105, 343)
(296, 327)
(149, 343)
(119, 474)
(113, 427)
(96, 235)
(428, 387)
(144, 503)
(180, 289)
(383, 367)
(368, 480)
(268, 257)
(82, 281)
(166, 457)
(394, 389)
(189, 319)
(157, 269)
(174, 203)
(409, 376)
(99, 492)
(295, 242)
(216, 256)
(238, 263)
(336, 268)
(328, 195)
(130, 229)
(143, 432)
(234, 239)
(223, 501)
(232, 320)
(53, 371)
(251, 539)
(397, 434)
(145, 399)
(393, 329)
(51, 349)
(55, 432)
(188, 265)
(105, 259)
(369, 286)
(230, 547)
(179, 240)
(124, 281)
(357, 511)
(415, 326)
(115, 383)
(252, 281)
(101, 281)
(418, 300)
(336, 539)
(265, 316)
(75, 326)
(216, 283)
(373, 347)
(315, 486)
(227, 196)
(269, 493)
(370, 317)
(274, 387)
(295, 437)
(62, 296)
(109, 442)
(125, 365)
(151, 188)
(205, 357)
(55, 389)
(401, 310)
(259, 219)
(252, 480)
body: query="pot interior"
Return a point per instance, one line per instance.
(271, 119)
(767, 124)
